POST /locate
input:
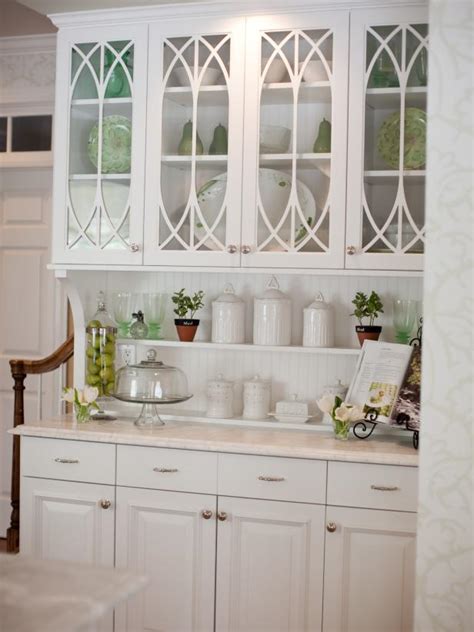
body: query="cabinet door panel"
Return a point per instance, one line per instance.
(387, 139)
(295, 140)
(194, 153)
(269, 566)
(65, 521)
(369, 575)
(164, 536)
(100, 148)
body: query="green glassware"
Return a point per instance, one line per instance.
(117, 83)
(404, 318)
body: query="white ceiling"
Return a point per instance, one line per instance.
(64, 6)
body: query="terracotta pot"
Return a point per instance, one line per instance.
(186, 328)
(368, 332)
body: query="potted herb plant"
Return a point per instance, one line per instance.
(186, 308)
(369, 308)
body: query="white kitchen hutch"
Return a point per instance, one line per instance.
(223, 552)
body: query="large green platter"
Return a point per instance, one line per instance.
(116, 144)
(388, 139)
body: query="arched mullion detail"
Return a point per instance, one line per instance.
(315, 48)
(277, 52)
(113, 227)
(119, 61)
(383, 46)
(85, 63)
(81, 229)
(174, 230)
(213, 55)
(379, 232)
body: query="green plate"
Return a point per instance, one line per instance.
(388, 139)
(116, 144)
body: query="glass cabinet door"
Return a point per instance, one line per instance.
(295, 142)
(99, 177)
(387, 139)
(194, 143)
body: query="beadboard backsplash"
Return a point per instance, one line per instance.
(303, 373)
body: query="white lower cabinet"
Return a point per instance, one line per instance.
(369, 570)
(65, 520)
(171, 538)
(224, 543)
(269, 566)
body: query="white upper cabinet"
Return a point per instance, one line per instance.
(295, 140)
(229, 141)
(194, 136)
(387, 139)
(100, 145)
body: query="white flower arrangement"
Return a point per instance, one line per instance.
(342, 413)
(83, 401)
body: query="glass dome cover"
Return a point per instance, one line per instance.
(151, 382)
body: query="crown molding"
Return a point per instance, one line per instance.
(214, 8)
(26, 44)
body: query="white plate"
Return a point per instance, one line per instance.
(274, 191)
(290, 419)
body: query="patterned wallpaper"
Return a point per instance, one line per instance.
(445, 535)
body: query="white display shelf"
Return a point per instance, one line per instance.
(207, 95)
(282, 93)
(389, 98)
(390, 176)
(185, 161)
(117, 101)
(197, 344)
(285, 161)
(103, 176)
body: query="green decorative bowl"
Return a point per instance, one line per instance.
(116, 144)
(388, 139)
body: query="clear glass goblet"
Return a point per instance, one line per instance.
(404, 318)
(122, 312)
(154, 309)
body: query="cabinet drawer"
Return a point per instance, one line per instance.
(374, 486)
(82, 461)
(163, 468)
(275, 478)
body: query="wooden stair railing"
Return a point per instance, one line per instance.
(20, 369)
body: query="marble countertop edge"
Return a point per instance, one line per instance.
(231, 439)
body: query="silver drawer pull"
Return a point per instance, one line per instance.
(59, 460)
(271, 479)
(165, 470)
(383, 488)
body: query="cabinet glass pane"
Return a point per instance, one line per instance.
(193, 187)
(31, 133)
(100, 145)
(3, 133)
(395, 139)
(293, 198)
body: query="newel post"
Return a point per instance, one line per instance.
(13, 532)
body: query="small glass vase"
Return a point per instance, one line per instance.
(82, 412)
(341, 429)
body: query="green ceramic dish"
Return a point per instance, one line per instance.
(388, 139)
(116, 144)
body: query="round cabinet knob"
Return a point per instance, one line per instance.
(222, 516)
(134, 247)
(105, 504)
(331, 527)
(231, 249)
(245, 250)
(206, 514)
(351, 250)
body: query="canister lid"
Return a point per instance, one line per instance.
(272, 291)
(228, 296)
(319, 303)
(257, 380)
(220, 381)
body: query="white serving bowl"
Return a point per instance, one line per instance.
(210, 77)
(274, 139)
(275, 72)
(314, 70)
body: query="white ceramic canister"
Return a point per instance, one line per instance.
(256, 398)
(338, 389)
(228, 318)
(272, 316)
(318, 324)
(220, 398)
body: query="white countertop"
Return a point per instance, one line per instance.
(46, 596)
(389, 450)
